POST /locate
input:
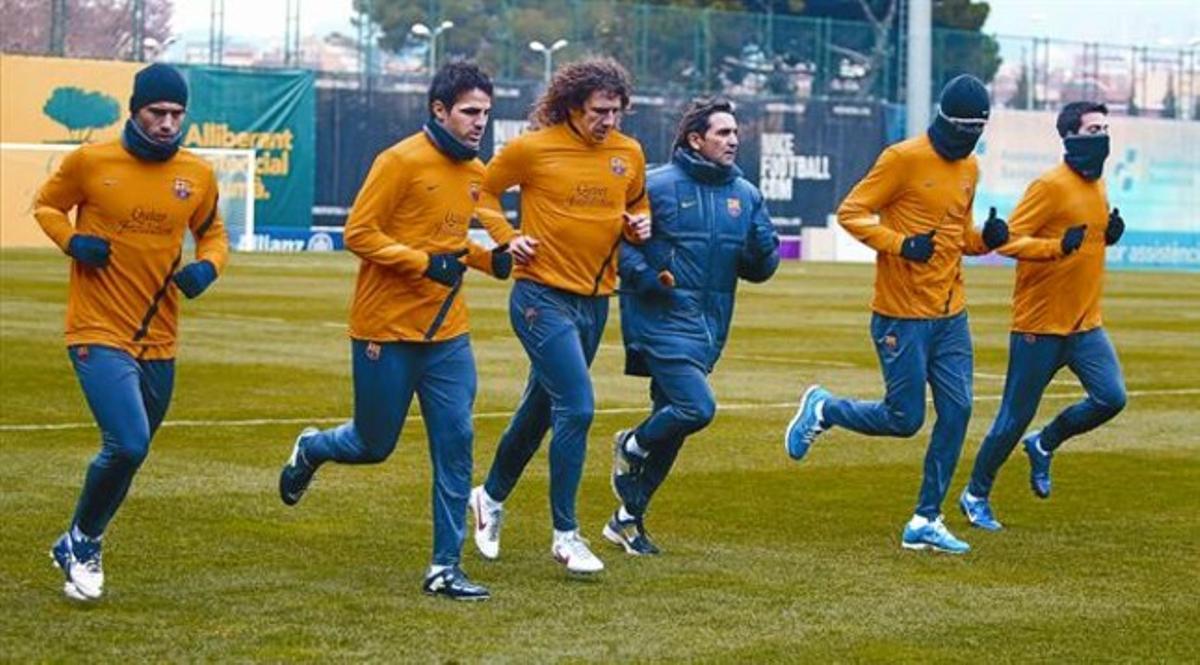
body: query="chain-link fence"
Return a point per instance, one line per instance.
(668, 49)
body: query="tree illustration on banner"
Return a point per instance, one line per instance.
(81, 112)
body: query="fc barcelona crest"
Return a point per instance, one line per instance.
(474, 188)
(734, 206)
(182, 189)
(618, 165)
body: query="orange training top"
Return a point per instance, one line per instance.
(1053, 294)
(913, 190)
(416, 201)
(573, 193)
(142, 208)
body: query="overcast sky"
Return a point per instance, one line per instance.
(1171, 23)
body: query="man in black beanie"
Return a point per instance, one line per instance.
(134, 198)
(914, 209)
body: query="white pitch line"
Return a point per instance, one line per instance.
(492, 415)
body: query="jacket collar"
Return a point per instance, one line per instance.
(699, 168)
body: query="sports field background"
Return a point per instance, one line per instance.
(764, 559)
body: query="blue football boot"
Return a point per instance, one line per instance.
(1039, 464)
(452, 583)
(629, 534)
(978, 512)
(627, 467)
(805, 425)
(297, 473)
(933, 535)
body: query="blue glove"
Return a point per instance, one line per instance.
(918, 248)
(195, 277)
(995, 230)
(648, 284)
(1073, 239)
(763, 240)
(446, 268)
(502, 262)
(91, 251)
(1115, 228)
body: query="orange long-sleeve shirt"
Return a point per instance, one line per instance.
(911, 190)
(573, 194)
(1056, 294)
(142, 208)
(415, 202)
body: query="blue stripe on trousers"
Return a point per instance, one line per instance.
(1033, 360)
(560, 332)
(913, 352)
(386, 376)
(129, 399)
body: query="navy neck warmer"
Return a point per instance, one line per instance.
(140, 145)
(702, 170)
(445, 141)
(1086, 154)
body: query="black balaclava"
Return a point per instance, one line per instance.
(963, 99)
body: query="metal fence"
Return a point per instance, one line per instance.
(671, 50)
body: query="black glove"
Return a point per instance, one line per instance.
(91, 251)
(446, 268)
(995, 230)
(918, 247)
(195, 278)
(1115, 228)
(502, 262)
(1073, 238)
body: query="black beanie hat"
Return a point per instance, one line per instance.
(965, 97)
(158, 83)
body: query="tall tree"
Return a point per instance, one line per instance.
(960, 46)
(1170, 103)
(94, 28)
(1020, 98)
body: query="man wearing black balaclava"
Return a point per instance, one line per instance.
(1060, 229)
(914, 209)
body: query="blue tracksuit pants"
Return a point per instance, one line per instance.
(386, 375)
(129, 399)
(560, 332)
(683, 404)
(1033, 360)
(913, 352)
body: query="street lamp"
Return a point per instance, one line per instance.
(422, 30)
(547, 54)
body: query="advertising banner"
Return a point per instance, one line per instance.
(1152, 174)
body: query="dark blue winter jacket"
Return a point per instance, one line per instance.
(709, 227)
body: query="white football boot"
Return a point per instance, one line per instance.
(488, 516)
(571, 550)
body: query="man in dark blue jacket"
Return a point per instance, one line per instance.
(710, 227)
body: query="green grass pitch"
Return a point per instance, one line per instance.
(765, 559)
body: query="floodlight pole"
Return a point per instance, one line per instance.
(547, 56)
(920, 65)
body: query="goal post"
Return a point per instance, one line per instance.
(25, 166)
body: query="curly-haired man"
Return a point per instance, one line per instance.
(582, 188)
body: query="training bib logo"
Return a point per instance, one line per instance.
(474, 189)
(618, 165)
